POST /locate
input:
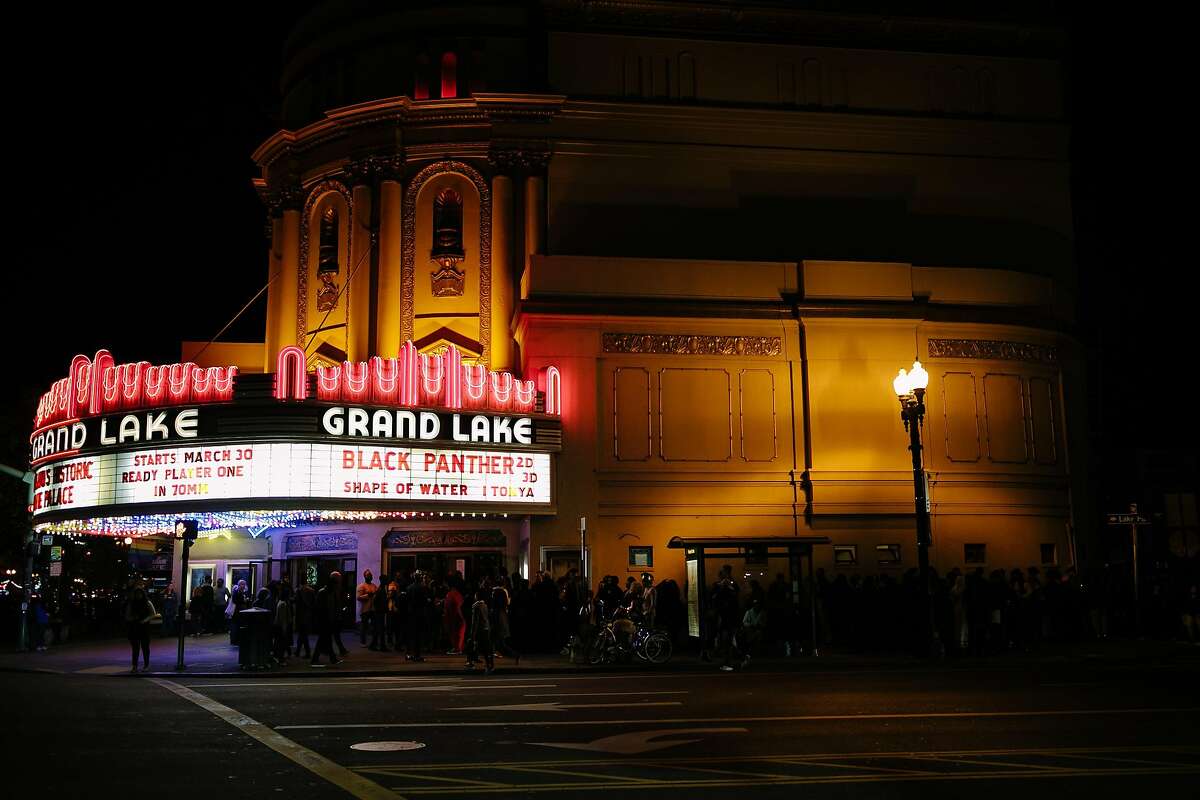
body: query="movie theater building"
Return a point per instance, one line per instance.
(684, 251)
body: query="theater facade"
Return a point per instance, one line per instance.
(639, 265)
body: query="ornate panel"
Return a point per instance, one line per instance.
(1004, 418)
(407, 272)
(306, 222)
(1041, 421)
(631, 414)
(993, 349)
(402, 539)
(695, 414)
(961, 416)
(756, 415)
(321, 543)
(687, 344)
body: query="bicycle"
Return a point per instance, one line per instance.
(648, 645)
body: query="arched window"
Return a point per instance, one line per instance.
(447, 227)
(449, 75)
(327, 248)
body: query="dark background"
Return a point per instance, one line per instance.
(132, 225)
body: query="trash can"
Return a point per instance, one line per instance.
(254, 638)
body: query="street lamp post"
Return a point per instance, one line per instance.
(910, 388)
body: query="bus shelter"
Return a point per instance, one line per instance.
(760, 558)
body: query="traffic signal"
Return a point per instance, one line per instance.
(186, 529)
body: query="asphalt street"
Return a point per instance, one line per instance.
(1106, 730)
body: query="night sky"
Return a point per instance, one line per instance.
(134, 225)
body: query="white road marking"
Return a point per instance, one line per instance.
(387, 747)
(702, 720)
(315, 763)
(465, 687)
(596, 694)
(636, 742)
(560, 706)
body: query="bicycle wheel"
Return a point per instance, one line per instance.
(658, 648)
(602, 647)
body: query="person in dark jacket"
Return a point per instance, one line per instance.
(306, 601)
(138, 613)
(417, 595)
(326, 614)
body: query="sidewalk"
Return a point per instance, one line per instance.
(213, 656)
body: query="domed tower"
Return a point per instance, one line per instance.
(407, 186)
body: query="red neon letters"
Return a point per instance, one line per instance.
(99, 386)
(423, 379)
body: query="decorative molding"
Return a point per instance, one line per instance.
(994, 350)
(314, 196)
(359, 172)
(529, 159)
(409, 256)
(688, 344)
(403, 539)
(321, 543)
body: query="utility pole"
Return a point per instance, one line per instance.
(185, 531)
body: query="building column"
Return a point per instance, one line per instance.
(271, 346)
(535, 224)
(289, 279)
(389, 314)
(358, 340)
(502, 273)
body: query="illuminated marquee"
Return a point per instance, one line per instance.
(438, 380)
(290, 472)
(383, 436)
(98, 386)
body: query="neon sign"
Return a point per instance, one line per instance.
(98, 386)
(439, 380)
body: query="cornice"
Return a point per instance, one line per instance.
(776, 22)
(477, 110)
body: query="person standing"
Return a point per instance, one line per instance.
(365, 594)
(725, 603)
(221, 598)
(306, 601)
(481, 633)
(649, 601)
(240, 600)
(284, 620)
(379, 609)
(138, 613)
(208, 596)
(418, 599)
(452, 618)
(326, 616)
(501, 630)
(170, 609)
(395, 609)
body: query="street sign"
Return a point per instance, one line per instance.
(47, 539)
(1127, 519)
(56, 569)
(56, 554)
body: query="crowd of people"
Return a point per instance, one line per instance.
(972, 612)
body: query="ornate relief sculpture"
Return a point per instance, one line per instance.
(447, 249)
(993, 349)
(687, 344)
(327, 261)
